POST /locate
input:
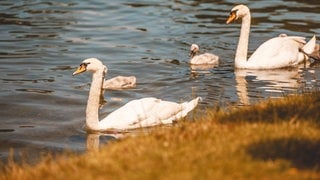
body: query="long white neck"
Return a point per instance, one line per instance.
(242, 49)
(92, 111)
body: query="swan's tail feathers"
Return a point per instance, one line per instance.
(185, 108)
(316, 53)
(311, 49)
(189, 106)
(310, 46)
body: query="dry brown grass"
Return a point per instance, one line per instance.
(271, 140)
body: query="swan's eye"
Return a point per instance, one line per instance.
(234, 12)
(84, 64)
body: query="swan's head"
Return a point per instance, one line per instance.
(237, 12)
(193, 50)
(91, 65)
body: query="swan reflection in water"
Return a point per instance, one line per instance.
(97, 139)
(257, 84)
(93, 140)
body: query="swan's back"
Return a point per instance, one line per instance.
(277, 52)
(205, 58)
(146, 112)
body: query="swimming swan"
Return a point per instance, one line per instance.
(278, 52)
(135, 114)
(203, 59)
(120, 82)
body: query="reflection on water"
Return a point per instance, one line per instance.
(259, 84)
(93, 140)
(268, 83)
(43, 106)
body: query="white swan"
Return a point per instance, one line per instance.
(203, 59)
(278, 52)
(135, 114)
(120, 82)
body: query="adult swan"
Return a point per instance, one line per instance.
(135, 114)
(278, 52)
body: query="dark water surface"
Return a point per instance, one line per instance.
(42, 107)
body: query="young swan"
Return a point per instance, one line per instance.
(203, 59)
(120, 82)
(278, 52)
(139, 113)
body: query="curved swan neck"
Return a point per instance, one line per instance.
(92, 111)
(242, 49)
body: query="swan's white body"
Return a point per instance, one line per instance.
(120, 82)
(278, 52)
(202, 59)
(144, 112)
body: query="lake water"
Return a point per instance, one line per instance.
(42, 107)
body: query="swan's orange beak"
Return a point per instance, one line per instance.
(82, 68)
(232, 17)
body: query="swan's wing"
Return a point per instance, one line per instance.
(277, 52)
(146, 112)
(206, 58)
(298, 39)
(120, 82)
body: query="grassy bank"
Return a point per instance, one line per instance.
(270, 140)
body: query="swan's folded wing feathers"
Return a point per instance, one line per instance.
(158, 112)
(298, 39)
(120, 82)
(282, 50)
(205, 58)
(147, 112)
